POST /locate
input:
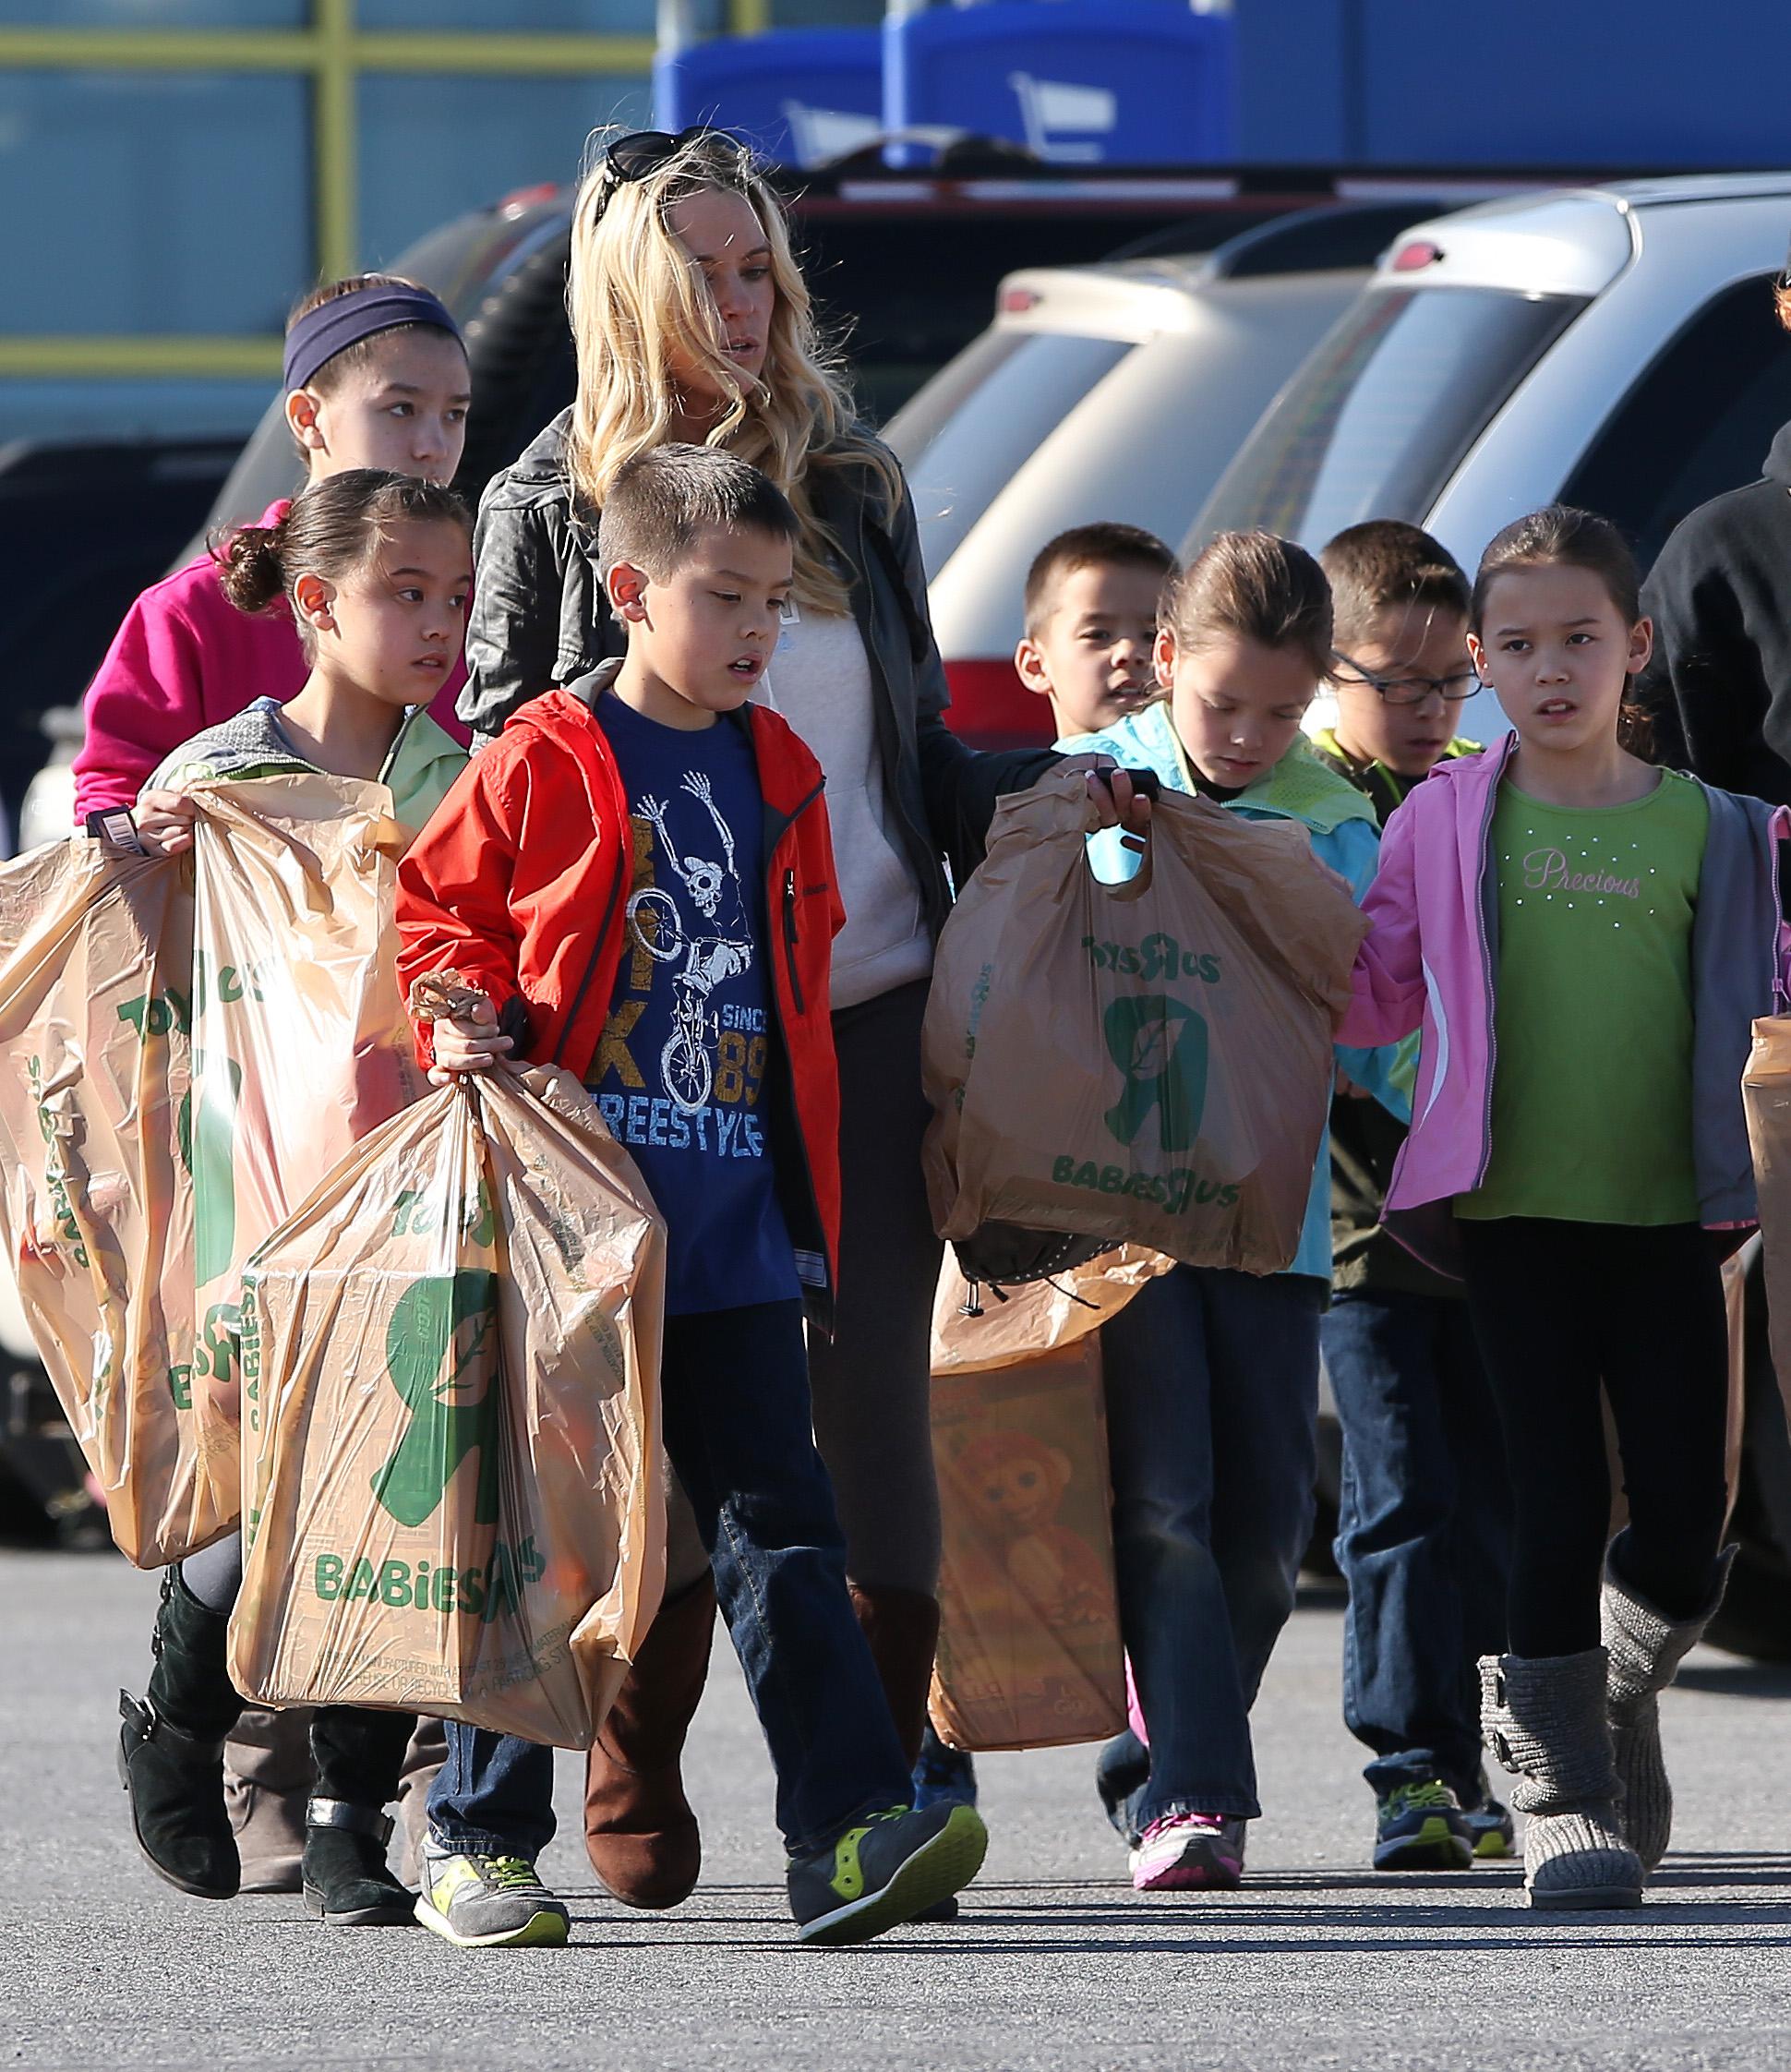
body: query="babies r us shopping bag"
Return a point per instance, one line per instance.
(301, 1044)
(1766, 1095)
(1145, 1063)
(96, 1205)
(456, 1340)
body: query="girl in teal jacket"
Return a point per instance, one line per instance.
(1213, 1374)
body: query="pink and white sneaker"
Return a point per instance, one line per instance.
(1186, 1852)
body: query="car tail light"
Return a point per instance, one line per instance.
(520, 200)
(991, 708)
(1016, 302)
(1413, 257)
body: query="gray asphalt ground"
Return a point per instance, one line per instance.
(1316, 1963)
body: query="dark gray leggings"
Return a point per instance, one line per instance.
(1559, 1307)
(871, 1420)
(869, 1386)
(215, 1574)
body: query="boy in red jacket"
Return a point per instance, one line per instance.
(638, 877)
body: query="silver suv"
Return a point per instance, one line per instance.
(1613, 347)
(1117, 391)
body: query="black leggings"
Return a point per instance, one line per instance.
(1559, 1307)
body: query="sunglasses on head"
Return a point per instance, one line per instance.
(643, 151)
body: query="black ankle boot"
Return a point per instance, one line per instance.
(171, 1749)
(347, 1879)
(359, 1757)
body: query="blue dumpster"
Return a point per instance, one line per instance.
(799, 96)
(1080, 82)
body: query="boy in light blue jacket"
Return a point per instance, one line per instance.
(1213, 1374)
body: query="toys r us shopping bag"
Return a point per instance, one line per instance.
(96, 1200)
(1029, 1651)
(301, 1044)
(1145, 1063)
(457, 1343)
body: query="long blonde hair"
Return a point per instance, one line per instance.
(640, 307)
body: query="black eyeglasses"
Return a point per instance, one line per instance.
(1408, 690)
(643, 151)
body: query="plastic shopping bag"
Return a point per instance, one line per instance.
(96, 1205)
(301, 1044)
(457, 1341)
(975, 1328)
(1029, 1651)
(1145, 1063)
(1766, 1094)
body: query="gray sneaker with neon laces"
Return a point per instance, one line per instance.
(896, 1867)
(488, 1903)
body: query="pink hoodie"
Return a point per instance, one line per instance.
(184, 659)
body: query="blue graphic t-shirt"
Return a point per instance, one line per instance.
(682, 1070)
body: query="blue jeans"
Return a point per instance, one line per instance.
(1424, 1532)
(1212, 1400)
(735, 1388)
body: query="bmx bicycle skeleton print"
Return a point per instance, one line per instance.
(680, 1074)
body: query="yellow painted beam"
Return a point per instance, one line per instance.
(546, 55)
(89, 358)
(161, 50)
(332, 42)
(335, 136)
(748, 17)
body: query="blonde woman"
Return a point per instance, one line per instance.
(692, 323)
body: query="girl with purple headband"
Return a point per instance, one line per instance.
(375, 376)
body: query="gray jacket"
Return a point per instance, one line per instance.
(1736, 968)
(539, 618)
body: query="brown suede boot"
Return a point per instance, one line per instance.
(638, 1830)
(903, 1629)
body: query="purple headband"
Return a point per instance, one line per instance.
(333, 326)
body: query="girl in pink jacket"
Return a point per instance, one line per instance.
(1584, 940)
(375, 376)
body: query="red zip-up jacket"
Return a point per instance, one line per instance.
(520, 883)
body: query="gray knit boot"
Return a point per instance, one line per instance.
(1646, 1648)
(1544, 1719)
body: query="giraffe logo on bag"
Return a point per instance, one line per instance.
(1160, 1043)
(441, 1343)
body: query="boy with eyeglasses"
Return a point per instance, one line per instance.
(1400, 669)
(1422, 1524)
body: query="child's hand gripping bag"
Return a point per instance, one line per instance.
(301, 1044)
(1146, 1063)
(457, 1343)
(96, 1205)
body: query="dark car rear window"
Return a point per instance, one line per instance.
(1383, 412)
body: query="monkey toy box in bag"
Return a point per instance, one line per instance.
(457, 1341)
(1149, 1062)
(1028, 1628)
(1029, 1652)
